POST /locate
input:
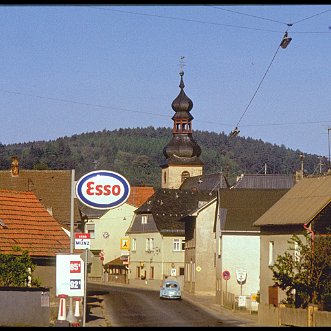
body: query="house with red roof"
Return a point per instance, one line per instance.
(24, 222)
(107, 228)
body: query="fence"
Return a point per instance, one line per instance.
(281, 315)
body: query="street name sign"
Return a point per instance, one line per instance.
(82, 240)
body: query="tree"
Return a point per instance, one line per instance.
(304, 271)
(16, 269)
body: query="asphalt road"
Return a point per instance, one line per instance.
(131, 307)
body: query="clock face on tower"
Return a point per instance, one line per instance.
(105, 235)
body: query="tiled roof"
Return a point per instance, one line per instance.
(52, 187)
(211, 182)
(25, 223)
(301, 204)
(170, 206)
(139, 194)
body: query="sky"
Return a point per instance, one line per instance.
(70, 69)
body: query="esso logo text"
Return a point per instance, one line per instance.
(102, 189)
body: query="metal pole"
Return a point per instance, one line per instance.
(85, 286)
(70, 317)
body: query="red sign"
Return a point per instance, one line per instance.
(226, 274)
(79, 235)
(75, 267)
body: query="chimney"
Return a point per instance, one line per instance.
(14, 166)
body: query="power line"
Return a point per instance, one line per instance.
(236, 131)
(236, 12)
(156, 114)
(307, 18)
(192, 20)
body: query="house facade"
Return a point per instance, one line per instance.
(238, 241)
(24, 222)
(157, 236)
(107, 228)
(305, 208)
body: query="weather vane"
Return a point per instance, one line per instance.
(182, 64)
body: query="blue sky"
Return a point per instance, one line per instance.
(66, 70)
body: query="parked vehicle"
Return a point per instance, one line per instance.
(170, 289)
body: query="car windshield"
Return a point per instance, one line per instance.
(171, 285)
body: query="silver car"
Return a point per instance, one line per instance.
(170, 289)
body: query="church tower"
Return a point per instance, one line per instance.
(182, 152)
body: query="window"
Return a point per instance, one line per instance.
(134, 244)
(181, 271)
(149, 244)
(178, 245)
(90, 229)
(271, 253)
(144, 219)
(184, 175)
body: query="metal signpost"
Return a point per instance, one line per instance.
(226, 277)
(83, 241)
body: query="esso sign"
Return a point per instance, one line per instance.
(102, 189)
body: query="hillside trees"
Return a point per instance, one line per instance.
(138, 153)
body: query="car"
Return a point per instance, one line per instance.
(170, 289)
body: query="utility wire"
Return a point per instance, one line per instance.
(265, 74)
(236, 12)
(192, 20)
(304, 19)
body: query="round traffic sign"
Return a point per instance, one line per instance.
(226, 274)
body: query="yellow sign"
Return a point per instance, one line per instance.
(125, 244)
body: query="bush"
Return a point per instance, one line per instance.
(16, 269)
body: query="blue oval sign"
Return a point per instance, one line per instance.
(102, 189)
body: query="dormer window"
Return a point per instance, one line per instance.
(144, 219)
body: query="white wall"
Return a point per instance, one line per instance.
(116, 222)
(241, 252)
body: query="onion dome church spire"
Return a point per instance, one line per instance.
(182, 152)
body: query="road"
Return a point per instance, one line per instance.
(126, 307)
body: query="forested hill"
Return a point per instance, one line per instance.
(137, 154)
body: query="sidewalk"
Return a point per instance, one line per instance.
(207, 302)
(96, 317)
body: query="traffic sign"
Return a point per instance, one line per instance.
(82, 240)
(226, 274)
(102, 189)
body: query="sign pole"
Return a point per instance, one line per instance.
(85, 277)
(71, 318)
